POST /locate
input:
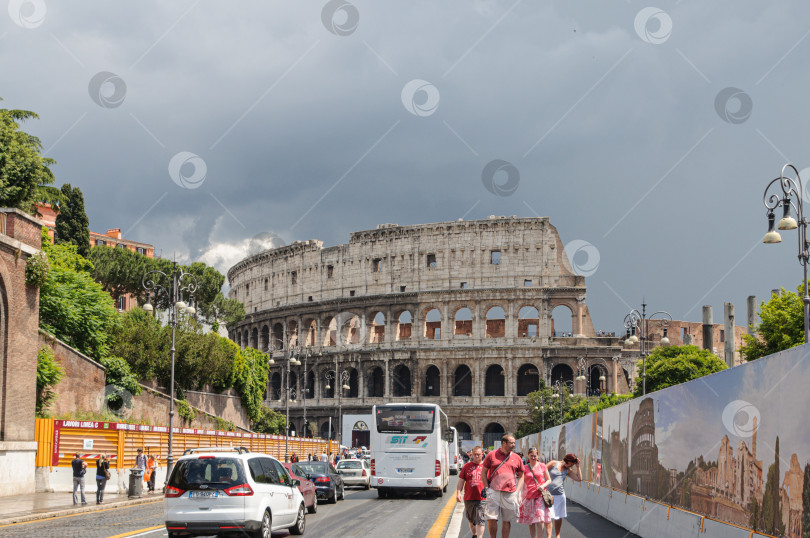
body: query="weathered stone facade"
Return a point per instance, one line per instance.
(456, 313)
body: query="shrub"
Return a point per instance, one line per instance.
(49, 373)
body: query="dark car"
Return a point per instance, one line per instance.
(306, 488)
(328, 483)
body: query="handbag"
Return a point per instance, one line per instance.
(106, 471)
(548, 500)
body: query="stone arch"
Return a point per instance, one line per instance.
(311, 334)
(493, 433)
(292, 333)
(353, 382)
(464, 431)
(329, 383)
(562, 320)
(401, 381)
(462, 381)
(496, 322)
(275, 386)
(528, 379)
(597, 386)
(310, 388)
(495, 381)
(433, 324)
(330, 334)
(528, 322)
(238, 339)
(351, 329)
(376, 383)
(463, 324)
(324, 430)
(277, 338)
(264, 342)
(562, 372)
(433, 380)
(377, 330)
(254, 338)
(404, 324)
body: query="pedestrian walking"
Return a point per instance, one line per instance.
(102, 475)
(503, 478)
(151, 469)
(79, 470)
(533, 511)
(324, 457)
(140, 460)
(470, 490)
(558, 470)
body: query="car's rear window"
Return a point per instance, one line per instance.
(349, 465)
(313, 467)
(207, 473)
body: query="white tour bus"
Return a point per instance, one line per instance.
(410, 449)
(455, 458)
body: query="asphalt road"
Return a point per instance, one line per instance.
(361, 514)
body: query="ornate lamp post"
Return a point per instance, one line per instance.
(343, 381)
(290, 394)
(181, 282)
(558, 388)
(791, 187)
(637, 321)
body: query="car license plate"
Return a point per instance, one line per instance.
(203, 494)
(405, 469)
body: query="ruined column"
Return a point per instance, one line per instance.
(752, 315)
(728, 344)
(707, 328)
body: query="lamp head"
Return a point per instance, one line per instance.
(147, 307)
(191, 310)
(772, 236)
(180, 305)
(664, 339)
(271, 361)
(602, 378)
(787, 222)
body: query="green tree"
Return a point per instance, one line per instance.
(781, 326)
(122, 381)
(672, 365)
(229, 311)
(753, 518)
(806, 503)
(73, 307)
(119, 270)
(72, 224)
(24, 172)
(771, 500)
(270, 422)
(250, 371)
(49, 373)
(143, 343)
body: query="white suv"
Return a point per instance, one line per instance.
(221, 491)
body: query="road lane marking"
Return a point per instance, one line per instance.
(437, 528)
(140, 532)
(454, 529)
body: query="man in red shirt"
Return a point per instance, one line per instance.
(503, 480)
(470, 482)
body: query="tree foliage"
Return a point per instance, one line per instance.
(72, 224)
(23, 169)
(781, 326)
(49, 373)
(673, 365)
(250, 371)
(119, 270)
(122, 382)
(270, 422)
(228, 311)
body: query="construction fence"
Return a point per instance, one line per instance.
(58, 440)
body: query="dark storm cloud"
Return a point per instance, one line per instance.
(278, 123)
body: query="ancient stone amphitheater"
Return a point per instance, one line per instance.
(456, 313)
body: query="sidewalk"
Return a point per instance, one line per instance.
(33, 506)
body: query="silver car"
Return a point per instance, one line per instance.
(355, 472)
(216, 491)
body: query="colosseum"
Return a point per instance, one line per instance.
(456, 313)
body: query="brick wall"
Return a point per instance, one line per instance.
(227, 406)
(82, 388)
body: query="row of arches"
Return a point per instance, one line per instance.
(327, 429)
(352, 328)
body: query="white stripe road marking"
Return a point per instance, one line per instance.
(454, 528)
(163, 530)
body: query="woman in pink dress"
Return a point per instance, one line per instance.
(533, 511)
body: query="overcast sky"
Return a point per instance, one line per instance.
(646, 134)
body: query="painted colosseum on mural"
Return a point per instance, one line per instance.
(457, 313)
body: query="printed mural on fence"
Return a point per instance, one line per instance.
(734, 446)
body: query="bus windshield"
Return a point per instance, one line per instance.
(404, 419)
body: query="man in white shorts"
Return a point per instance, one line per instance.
(503, 480)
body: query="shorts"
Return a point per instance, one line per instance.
(502, 505)
(474, 510)
(557, 510)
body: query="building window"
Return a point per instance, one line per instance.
(431, 261)
(495, 257)
(122, 302)
(330, 271)
(351, 293)
(463, 285)
(402, 289)
(265, 284)
(100, 242)
(722, 335)
(294, 278)
(310, 298)
(141, 250)
(375, 265)
(121, 245)
(527, 283)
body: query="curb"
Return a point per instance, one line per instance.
(81, 510)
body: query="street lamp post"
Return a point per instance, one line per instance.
(791, 187)
(181, 282)
(558, 387)
(289, 392)
(584, 370)
(639, 322)
(342, 383)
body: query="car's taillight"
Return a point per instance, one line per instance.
(365, 473)
(322, 479)
(438, 468)
(172, 491)
(372, 468)
(455, 459)
(242, 490)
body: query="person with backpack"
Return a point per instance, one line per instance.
(102, 475)
(503, 480)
